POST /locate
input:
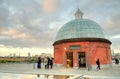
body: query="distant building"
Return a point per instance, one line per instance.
(14, 54)
(46, 55)
(10, 54)
(42, 55)
(80, 42)
(29, 54)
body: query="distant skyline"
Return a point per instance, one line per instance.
(31, 25)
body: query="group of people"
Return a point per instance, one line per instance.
(47, 62)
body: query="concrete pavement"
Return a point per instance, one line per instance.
(30, 68)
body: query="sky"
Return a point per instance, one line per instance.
(30, 26)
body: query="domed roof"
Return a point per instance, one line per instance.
(80, 28)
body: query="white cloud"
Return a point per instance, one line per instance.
(115, 37)
(34, 23)
(49, 5)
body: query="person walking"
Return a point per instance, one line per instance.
(98, 64)
(48, 62)
(39, 62)
(51, 62)
(116, 61)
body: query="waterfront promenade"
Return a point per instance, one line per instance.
(30, 68)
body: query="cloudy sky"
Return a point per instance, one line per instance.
(31, 25)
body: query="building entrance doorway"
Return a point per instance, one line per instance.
(69, 59)
(82, 60)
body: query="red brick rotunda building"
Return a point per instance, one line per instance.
(80, 42)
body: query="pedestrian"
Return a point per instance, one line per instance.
(39, 62)
(116, 61)
(45, 62)
(98, 64)
(51, 62)
(48, 62)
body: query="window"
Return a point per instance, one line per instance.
(72, 47)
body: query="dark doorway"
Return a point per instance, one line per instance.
(69, 59)
(82, 60)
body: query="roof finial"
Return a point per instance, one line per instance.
(78, 14)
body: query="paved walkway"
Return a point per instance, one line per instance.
(113, 72)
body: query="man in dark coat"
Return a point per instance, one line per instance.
(51, 62)
(98, 64)
(48, 62)
(116, 61)
(39, 63)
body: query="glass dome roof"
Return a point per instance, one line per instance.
(80, 28)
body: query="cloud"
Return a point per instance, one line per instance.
(35, 23)
(112, 24)
(115, 37)
(49, 5)
(15, 37)
(15, 34)
(4, 13)
(1, 1)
